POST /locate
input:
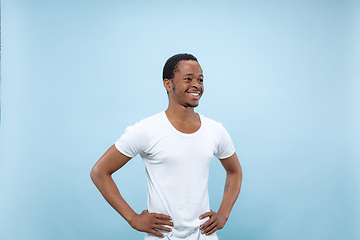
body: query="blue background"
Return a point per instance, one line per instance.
(282, 76)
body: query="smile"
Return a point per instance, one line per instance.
(195, 95)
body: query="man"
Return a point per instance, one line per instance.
(176, 146)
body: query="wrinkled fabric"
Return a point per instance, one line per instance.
(177, 169)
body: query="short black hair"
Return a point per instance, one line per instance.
(172, 63)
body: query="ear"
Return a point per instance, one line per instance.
(167, 84)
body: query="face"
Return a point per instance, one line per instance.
(186, 88)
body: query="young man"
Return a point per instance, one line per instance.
(176, 146)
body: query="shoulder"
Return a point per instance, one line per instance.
(154, 120)
(150, 125)
(212, 127)
(144, 124)
(224, 145)
(208, 122)
(136, 137)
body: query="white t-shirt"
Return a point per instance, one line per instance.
(177, 169)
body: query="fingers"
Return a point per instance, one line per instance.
(160, 220)
(164, 222)
(162, 216)
(209, 227)
(207, 214)
(212, 224)
(213, 227)
(211, 230)
(156, 233)
(152, 222)
(161, 227)
(209, 221)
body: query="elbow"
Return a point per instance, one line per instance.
(98, 174)
(241, 174)
(94, 173)
(237, 172)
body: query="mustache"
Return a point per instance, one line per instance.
(194, 89)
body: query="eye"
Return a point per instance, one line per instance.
(201, 80)
(188, 79)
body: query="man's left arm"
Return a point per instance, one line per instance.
(232, 187)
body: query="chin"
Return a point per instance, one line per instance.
(192, 105)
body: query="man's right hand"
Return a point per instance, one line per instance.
(148, 222)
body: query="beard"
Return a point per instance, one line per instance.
(191, 105)
(185, 104)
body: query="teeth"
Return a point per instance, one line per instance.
(195, 94)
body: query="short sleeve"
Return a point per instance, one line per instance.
(226, 147)
(133, 141)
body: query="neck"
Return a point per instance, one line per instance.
(181, 113)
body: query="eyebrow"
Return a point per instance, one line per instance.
(191, 74)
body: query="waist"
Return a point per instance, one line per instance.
(183, 233)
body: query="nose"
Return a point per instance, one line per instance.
(195, 83)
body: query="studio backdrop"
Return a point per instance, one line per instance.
(281, 76)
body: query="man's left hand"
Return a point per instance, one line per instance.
(215, 222)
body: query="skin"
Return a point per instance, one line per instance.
(185, 91)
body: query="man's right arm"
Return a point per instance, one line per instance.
(110, 162)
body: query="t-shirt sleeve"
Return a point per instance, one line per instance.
(225, 147)
(133, 141)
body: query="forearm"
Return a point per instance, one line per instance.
(231, 192)
(233, 181)
(111, 193)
